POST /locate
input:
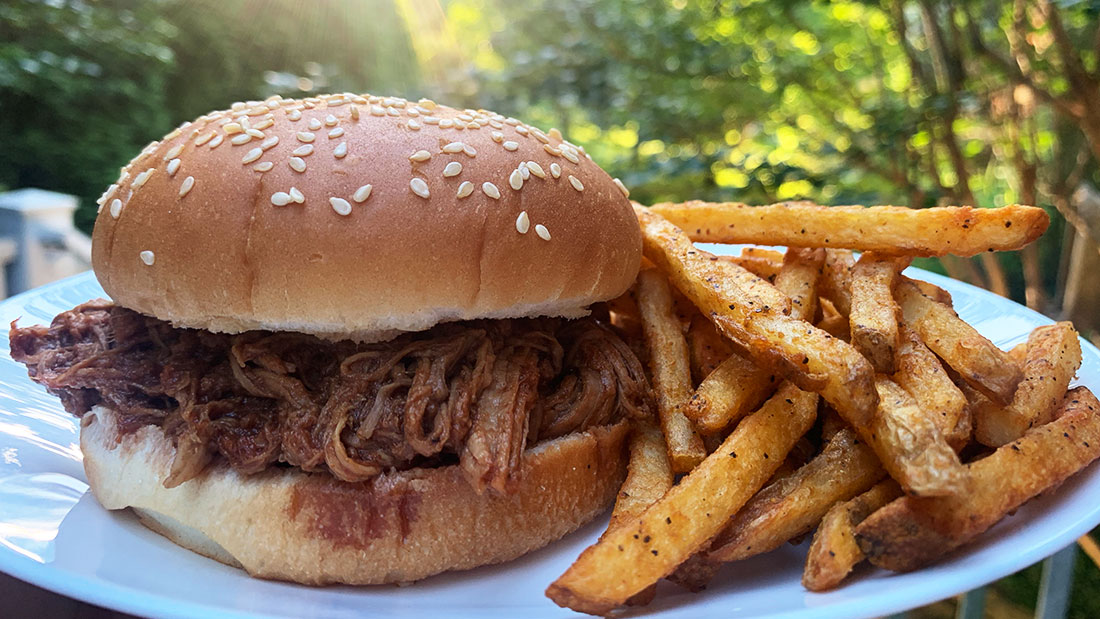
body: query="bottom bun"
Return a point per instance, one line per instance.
(314, 529)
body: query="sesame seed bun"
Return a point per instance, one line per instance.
(356, 216)
(399, 527)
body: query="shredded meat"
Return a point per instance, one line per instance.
(474, 393)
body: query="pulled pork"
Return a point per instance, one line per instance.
(476, 393)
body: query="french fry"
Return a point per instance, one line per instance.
(833, 552)
(805, 355)
(631, 557)
(708, 347)
(835, 283)
(911, 446)
(798, 280)
(792, 506)
(873, 312)
(624, 315)
(734, 389)
(914, 531)
(934, 292)
(648, 478)
(668, 361)
(958, 230)
(832, 322)
(986, 367)
(920, 373)
(1052, 356)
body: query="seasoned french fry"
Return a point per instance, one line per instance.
(958, 230)
(764, 268)
(792, 506)
(648, 478)
(911, 446)
(914, 531)
(708, 347)
(798, 280)
(873, 313)
(807, 356)
(631, 557)
(920, 373)
(832, 322)
(833, 551)
(735, 388)
(934, 292)
(668, 362)
(986, 367)
(836, 279)
(1053, 355)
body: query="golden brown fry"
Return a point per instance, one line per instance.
(832, 322)
(734, 389)
(708, 347)
(764, 268)
(623, 312)
(833, 551)
(800, 352)
(986, 367)
(648, 478)
(873, 313)
(914, 531)
(920, 373)
(668, 362)
(835, 283)
(934, 292)
(798, 280)
(1052, 356)
(958, 230)
(630, 558)
(792, 506)
(911, 446)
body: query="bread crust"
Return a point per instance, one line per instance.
(313, 529)
(225, 257)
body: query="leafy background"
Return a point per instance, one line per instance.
(915, 102)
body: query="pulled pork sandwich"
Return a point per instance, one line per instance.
(352, 339)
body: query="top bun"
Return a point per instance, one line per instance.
(355, 216)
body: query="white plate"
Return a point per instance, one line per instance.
(54, 534)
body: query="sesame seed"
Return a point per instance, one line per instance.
(540, 136)
(335, 133)
(543, 233)
(263, 166)
(465, 117)
(515, 179)
(330, 120)
(621, 186)
(454, 147)
(497, 136)
(420, 155)
(362, 193)
(173, 165)
(256, 133)
(294, 114)
(427, 104)
(314, 124)
(216, 142)
(495, 124)
(520, 129)
(304, 150)
(147, 257)
(510, 145)
(536, 169)
(173, 152)
(116, 208)
(280, 198)
(297, 196)
(264, 124)
(511, 121)
(453, 168)
(305, 136)
(204, 139)
(469, 150)
(576, 183)
(392, 111)
(340, 205)
(446, 123)
(473, 125)
(570, 155)
(297, 164)
(523, 223)
(459, 124)
(243, 138)
(523, 170)
(188, 183)
(252, 155)
(231, 128)
(465, 189)
(554, 133)
(419, 187)
(430, 120)
(415, 126)
(340, 150)
(491, 190)
(555, 170)
(354, 112)
(142, 178)
(336, 102)
(269, 142)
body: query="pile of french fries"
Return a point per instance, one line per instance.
(817, 392)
